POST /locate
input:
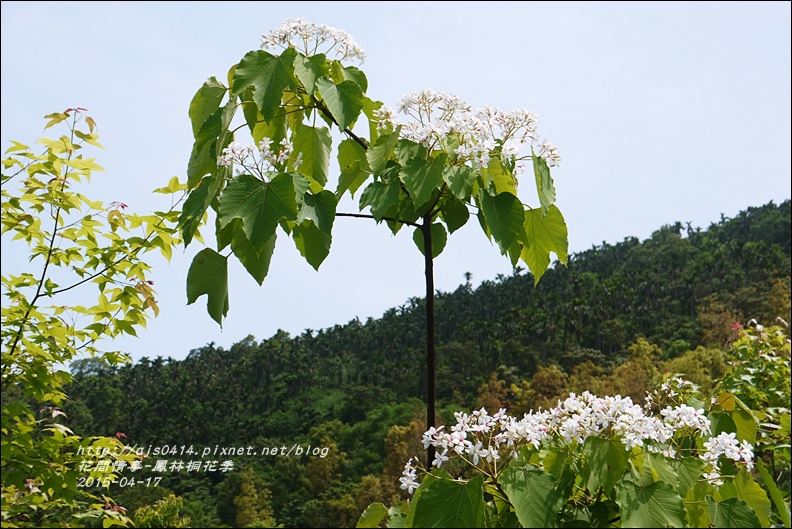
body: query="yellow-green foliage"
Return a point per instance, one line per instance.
(167, 512)
(93, 252)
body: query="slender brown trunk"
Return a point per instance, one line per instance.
(426, 229)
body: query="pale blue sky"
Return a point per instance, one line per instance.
(662, 112)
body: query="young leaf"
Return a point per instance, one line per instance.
(208, 275)
(439, 238)
(544, 183)
(205, 101)
(314, 145)
(542, 235)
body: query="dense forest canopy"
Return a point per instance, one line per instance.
(670, 302)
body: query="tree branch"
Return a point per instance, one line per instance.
(366, 216)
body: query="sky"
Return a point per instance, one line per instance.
(662, 112)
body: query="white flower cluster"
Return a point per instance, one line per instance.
(261, 163)
(480, 437)
(409, 479)
(435, 116)
(725, 444)
(308, 38)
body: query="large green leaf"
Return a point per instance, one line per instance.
(344, 100)
(372, 516)
(656, 505)
(257, 263)
(689, 470)
(269, 75)
(312, 243)
(732, 512)
(205, 101)
(534, 496)
(349, 152)
(351, 178)
(260, 205)
(379, 154)
(196, 205)
(212, 137)
(746, 425)
(314, 143)
(455, 214)
(661, 469)
(500, 177)
(449, 503)
(421, 178)
(544, 234)
(775, 493)
(504, 216)
(353, 73)
(320, 208)
(544, 183)
(606, 461)
(381, 197)
(309, 69)
(745, 488)
(439, 238)
(208, 275)
(696, 506)
(460, 179)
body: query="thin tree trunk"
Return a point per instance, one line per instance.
(426, 229)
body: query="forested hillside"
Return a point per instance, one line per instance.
(614, 320)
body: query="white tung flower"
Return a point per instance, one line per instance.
(311, 39)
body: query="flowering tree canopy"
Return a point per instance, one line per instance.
(428, 164)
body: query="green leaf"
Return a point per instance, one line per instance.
(534, 496)
(775, 493)
(746, 425)
(460, 179)
(455, 214)
(449, 503)
(212, 138)
(543, 234)
(504, 217)
(344, 100)
(397, 516)
(606, 461)
(379, 154)
(373, 515)
(501, 178)
(439, 238)
(720, 423)
(732, 512)
(351, 178)
(257, 263)
(689, 470)
(381, 197)
(696, 506)
(260, 205)
(269, 75)
(309, 69)
(544, 183)
(422, 177)
(353, 73)
(208, 275)
(661, 469)
(656, 505)
(314, 144)
(205, 101)
(312, 234)
(196, 205)
(751, 493)
(319, 208)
